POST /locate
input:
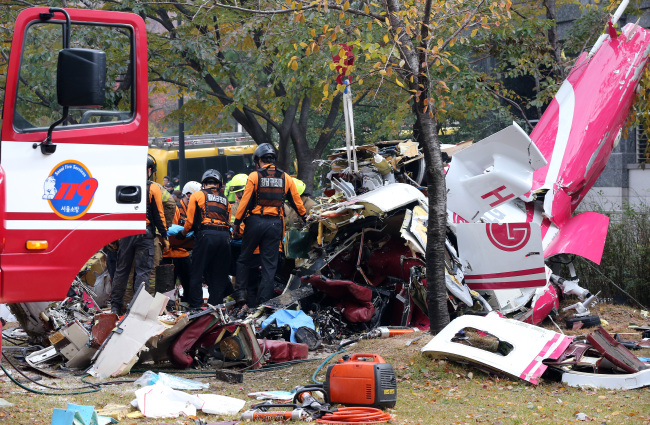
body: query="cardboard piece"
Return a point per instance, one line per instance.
(122, 348)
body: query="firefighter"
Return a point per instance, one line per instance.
(179, 254)
(237, 185)
(227, 192)
(260, 209)
(139, 249)
(208, 214)
(291, 218)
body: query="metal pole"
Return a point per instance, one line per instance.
(182, 169)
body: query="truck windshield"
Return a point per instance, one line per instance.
(36, 102)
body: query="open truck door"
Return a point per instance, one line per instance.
(74, 145)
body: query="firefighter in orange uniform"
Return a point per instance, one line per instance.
(208, 214)
(261, 209)
(179, 255)
(140, 248)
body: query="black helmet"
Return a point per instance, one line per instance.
(151, 163)
(212, 175)
(263, 150)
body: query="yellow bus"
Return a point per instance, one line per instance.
(222, 152)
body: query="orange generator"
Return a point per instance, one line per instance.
(361, 380)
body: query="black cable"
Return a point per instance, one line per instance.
(258, 359)
(38, 383)
(13, 340)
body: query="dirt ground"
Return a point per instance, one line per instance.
(429, 392)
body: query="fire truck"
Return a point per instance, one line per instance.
(73, 148)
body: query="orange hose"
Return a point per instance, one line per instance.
(355, 415)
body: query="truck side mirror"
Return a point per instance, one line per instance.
(81, 78)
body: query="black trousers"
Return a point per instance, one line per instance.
(138, 249)
(210, 260)
(265, 232)
(182, 272)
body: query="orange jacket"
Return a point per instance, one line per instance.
(248, 203)
(176, 252)
(196, 211)
(155, 211)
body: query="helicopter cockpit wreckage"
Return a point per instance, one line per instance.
(358, 267)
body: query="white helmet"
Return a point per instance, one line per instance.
(191, 187)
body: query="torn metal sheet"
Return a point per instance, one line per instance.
(70, 339)
(73, 342)
(583, 234)
(405, 231)
(454, 149)
(615, 352)
(544, 302)
(627, 381)
(41, 356)
(577, 132)
(82, 358)
(103, 325)
(414, 229)
(501, 256)
(289, 298)
(408, 148)
(120, 351)
(526, 346)
(158, 345)
(491, 172)
(389, 198)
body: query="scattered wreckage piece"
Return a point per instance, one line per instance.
(212, 341)
(158, 346)
(501, 256)
(39, 357)
(582, 125)
(492, 171)
(615, 352)
(283, 351)
(488, 183)
(120, 350)
(628, 381)
(73, 342)
(289, 298)
(103, 325)
(519, 349)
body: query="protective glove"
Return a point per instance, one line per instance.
(237, 231)
(165, 243)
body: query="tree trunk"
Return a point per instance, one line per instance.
(553, 40)
(306, 171)
(425, 134)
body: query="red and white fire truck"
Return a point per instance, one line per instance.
(74, 145)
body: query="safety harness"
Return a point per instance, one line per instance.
(215, 209)
(182, 205)
(270, 189)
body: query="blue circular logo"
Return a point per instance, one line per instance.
(70, 189)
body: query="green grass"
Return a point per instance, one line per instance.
(429, 392)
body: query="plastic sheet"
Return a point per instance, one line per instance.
(174, 382)
(294, 318)
(160, 401)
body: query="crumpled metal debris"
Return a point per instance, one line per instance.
(528, 352)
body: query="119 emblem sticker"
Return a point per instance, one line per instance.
(70, 189)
